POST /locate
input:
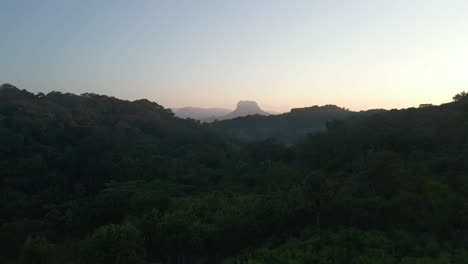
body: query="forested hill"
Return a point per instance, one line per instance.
(288, 127)
(95, 179)
(86, 110)
(89, 139)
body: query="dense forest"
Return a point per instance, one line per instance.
(94, 179)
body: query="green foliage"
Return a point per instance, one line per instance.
(114, 181)
(345, 246)
(14, 234)
(116, 244)
(38, 250)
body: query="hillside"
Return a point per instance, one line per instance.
(88, 140)
(95, 179)
(288, 127)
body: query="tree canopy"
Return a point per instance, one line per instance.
(94, 179)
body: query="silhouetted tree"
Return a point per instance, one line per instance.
(460, 96)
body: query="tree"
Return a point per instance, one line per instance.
(38, 250)
(115, 244)
(460, 96)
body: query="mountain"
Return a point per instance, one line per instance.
(245, 108)
(207, 115)
(287, 127)
(200, 113)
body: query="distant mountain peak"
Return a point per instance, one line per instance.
(250, 106)
(245, 108)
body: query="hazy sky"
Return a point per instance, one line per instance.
(356, 54)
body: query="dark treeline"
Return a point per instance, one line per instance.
(95, 179)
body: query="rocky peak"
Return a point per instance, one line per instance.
(248, 106)
(245, 108)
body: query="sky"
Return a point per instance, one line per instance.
(358, 54)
